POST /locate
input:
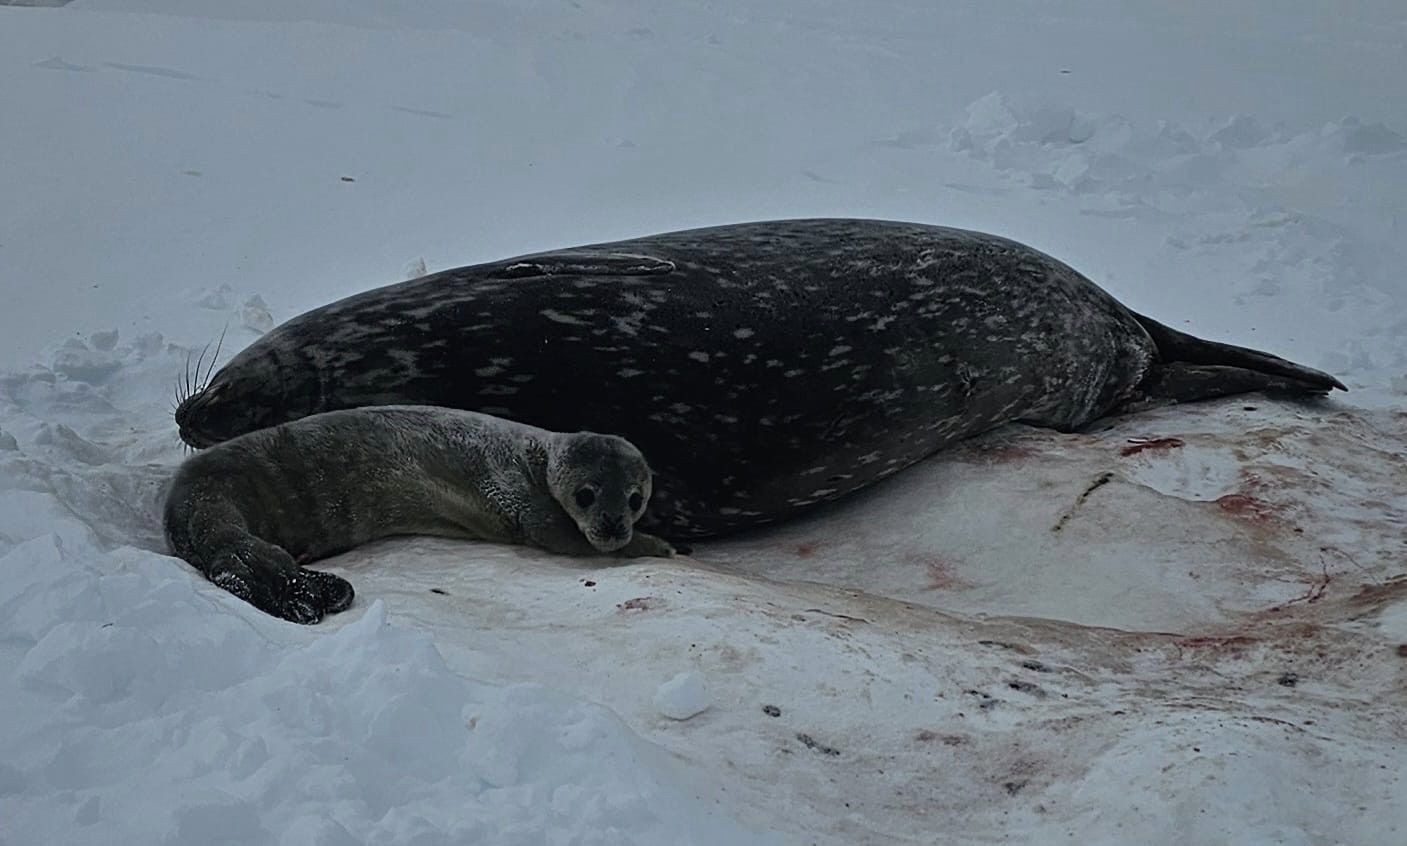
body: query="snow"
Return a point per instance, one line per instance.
(1185, 626)
(683, 696)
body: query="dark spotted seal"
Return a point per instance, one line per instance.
(763, 367)
(248, 511)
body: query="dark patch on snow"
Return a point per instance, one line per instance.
(811, 743)
(1027, 687)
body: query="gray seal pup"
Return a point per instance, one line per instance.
(250, 511)
(764, 368)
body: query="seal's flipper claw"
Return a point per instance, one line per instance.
(334, 592)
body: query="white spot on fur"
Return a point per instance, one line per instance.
(743, 333)
(559, 317)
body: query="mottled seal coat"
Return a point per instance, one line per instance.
(246, 512)
(763, 367)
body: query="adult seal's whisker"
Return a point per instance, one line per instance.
(198, 362)
(186, 380)
(204, 382)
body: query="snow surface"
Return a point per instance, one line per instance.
(683, 696)
(1187, 626)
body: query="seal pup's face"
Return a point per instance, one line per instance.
(603, 483)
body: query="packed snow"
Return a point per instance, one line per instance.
(1186, 625)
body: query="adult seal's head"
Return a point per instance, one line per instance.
(255, 390)
(602, 482)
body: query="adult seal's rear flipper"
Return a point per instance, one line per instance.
(576, 263)
(1189, 368)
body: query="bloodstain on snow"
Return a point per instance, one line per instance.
(1233, 643)
(806, 549)
(1382, 593)
(1137, 445)
(994, 453)
(1246, 507)
(941, 572)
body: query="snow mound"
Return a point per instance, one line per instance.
(136, 702)
(682, 697)
(145, 705)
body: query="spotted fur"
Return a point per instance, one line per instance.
(764, 367)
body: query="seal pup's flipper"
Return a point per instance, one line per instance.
(211, 535)
(1189, 368)
(266, 576)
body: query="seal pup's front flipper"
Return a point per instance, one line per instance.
(1189, 368)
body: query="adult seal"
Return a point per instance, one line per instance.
(248, 512)
(763, 367)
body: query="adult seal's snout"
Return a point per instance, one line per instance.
(763, 367)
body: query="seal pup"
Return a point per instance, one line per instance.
(248, 512)
(764, 367)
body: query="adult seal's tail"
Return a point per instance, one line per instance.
(763, 367)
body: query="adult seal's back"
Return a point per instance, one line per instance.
(763, 367)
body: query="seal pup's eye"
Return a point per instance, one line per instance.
(635, 501)
(584, 497)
